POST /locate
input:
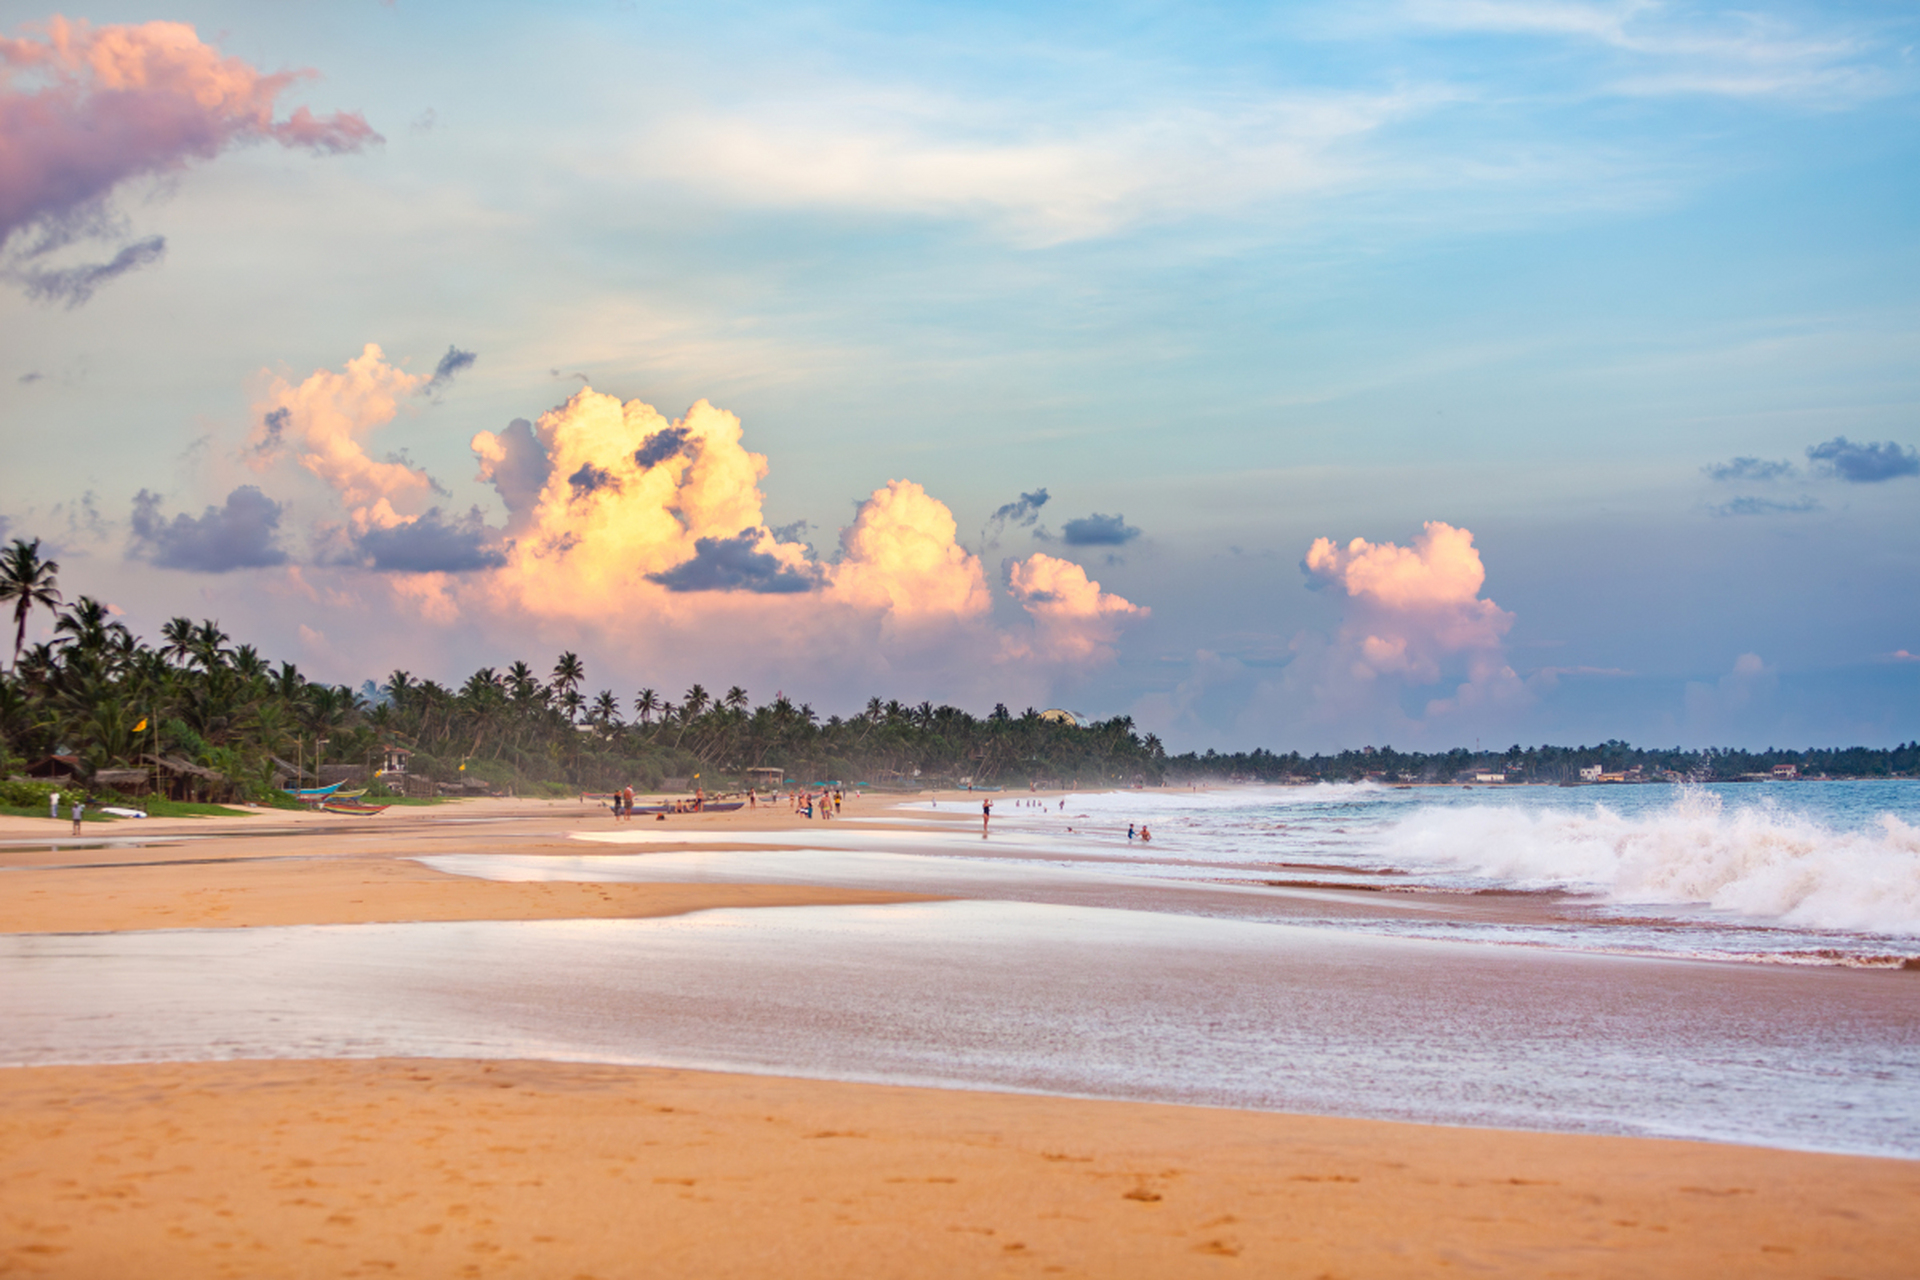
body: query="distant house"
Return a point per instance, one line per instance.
(1786, 772)
(1591, 773)
(1489, 777)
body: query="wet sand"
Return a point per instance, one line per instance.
(457, 1168)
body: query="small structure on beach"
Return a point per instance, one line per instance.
(766, 779)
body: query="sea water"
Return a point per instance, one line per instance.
(1824, 873)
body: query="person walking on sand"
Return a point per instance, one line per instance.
(78, 809)
(627, 795)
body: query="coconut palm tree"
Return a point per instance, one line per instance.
(736, 699)
(645, 703)
(568, 672)
(27, 580)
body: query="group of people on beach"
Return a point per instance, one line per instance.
(826, 801)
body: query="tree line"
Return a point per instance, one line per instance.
(99, 693)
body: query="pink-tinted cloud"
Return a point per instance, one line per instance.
(901, 557)
(642, 536)
(1074, 620)
(322, 421)
(84, 109)
(1412, 619)
(1412, 605)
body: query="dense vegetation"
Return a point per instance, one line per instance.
(98, 692)
(1545, 764)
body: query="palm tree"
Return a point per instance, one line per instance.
(90, 628)
(606, 711)
(568, 672)
(736, 699)
(645, 703)
(27, 580)
(694, 702)
(178, 634)
(209, 645)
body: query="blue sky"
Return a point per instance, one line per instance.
(1243, 276)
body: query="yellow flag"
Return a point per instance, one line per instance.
(143, 724)
(463, 766)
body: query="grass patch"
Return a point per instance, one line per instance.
(40, 811)
(185, 809)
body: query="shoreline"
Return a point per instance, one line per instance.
(457, 1167)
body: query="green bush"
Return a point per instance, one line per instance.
(25, 793)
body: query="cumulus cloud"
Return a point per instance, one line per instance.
(1413, 613)
(1864, 463)
(432, 543)
(1074, 620)
(323, 421)
(1748, 469)
(84, 109)
(899, 555)
(618, 504)
(736, 564)
(238, 535)
(516, 465)
(1097, 530)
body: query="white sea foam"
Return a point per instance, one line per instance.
(1758, 862)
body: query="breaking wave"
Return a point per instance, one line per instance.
(1759, 862)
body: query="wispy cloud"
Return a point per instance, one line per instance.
(1661, 50)
(1751, 506)
(1043, 183)
(1748, 469)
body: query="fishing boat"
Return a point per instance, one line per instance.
(338, 805)
(314, 793)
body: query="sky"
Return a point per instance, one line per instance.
(1301, 376)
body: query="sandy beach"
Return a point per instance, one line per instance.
(450, 1167)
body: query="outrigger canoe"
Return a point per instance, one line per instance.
(351, 806)
(314, 793)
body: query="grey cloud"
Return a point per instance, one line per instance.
(1750, 506)
(731, 564)
(589, 479)
(520, 476)
(74, 285)
(434, 544)
(1097, 530)
(1864, 463)
(1748, 469)
(660, 446)
(239, 535)
(276, 425)
(450, 364)
(1022, 514)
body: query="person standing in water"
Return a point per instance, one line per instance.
(986, 814)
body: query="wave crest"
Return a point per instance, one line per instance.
(1759, 862)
